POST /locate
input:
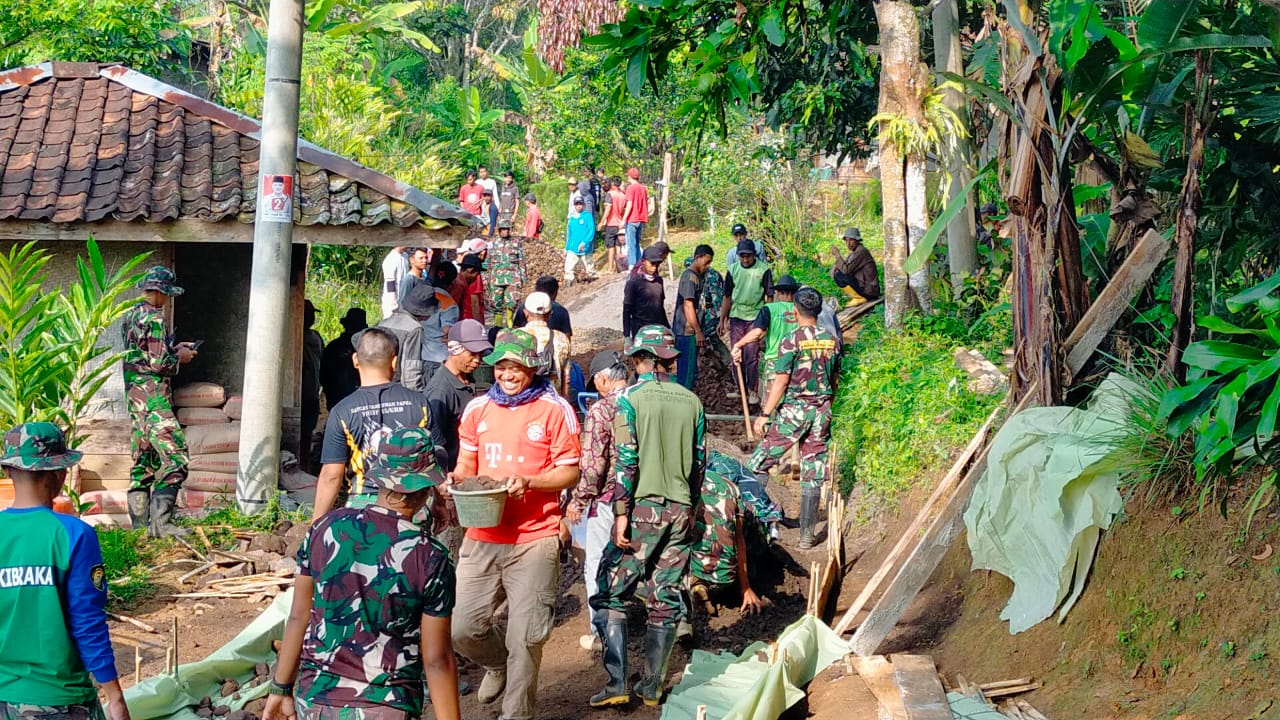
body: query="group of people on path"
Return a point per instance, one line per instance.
(384, 596)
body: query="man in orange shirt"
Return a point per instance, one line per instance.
(525, 433)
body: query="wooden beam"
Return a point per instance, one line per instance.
(229, 231)
(1114, 299)
(944, 487)
(877, 673)
(926, 555)
(922, 695)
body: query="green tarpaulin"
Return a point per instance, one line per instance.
(748, 686)
(164, 697)
(1050, 489)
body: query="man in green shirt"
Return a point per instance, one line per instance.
(53, 592)
(804, 383)
(748, 285)
(775, 321)
(661, 422)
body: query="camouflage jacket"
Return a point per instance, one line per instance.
(598, 455)
(715, 550)
(506, 262)
(809, 355)
(712, 298)
(148, 354)
(376, 574)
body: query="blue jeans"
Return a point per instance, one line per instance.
(634, 230)
(687, 363)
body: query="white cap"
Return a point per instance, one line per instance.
(474, 245)
(538, 303)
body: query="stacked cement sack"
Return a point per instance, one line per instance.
(210, 420)
(107, 508)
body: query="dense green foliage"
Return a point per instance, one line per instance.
(144, 34)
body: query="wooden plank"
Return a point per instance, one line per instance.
(1114, 299)
(926, 555)
(877, 673)
(944, 487)
(845, 317)
(229, 231)
(105, 437)
(100, 471)
(922, 695)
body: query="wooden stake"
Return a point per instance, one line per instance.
(195, 572)
(175, 647)
(746, 410)
(132, 621)
(137, 664)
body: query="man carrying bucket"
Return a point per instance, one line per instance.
(521, 432)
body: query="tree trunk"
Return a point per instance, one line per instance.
(962, 245)
(917, 226)
(902, 78)
(1188, 219)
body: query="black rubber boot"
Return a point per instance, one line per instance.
(810, 498)
(139, 507)
(614, 632)
(658, 642)
(163, 502)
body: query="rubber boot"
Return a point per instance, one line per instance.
(139, 500)
(854, 298)
(658, 642)
(810, 497)
(614, 632)
(163, 502)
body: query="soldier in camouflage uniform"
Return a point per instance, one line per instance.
(506, 275)
(158, 447)
(372, 604)
(661, 457)
(803, 385)
(719, 553)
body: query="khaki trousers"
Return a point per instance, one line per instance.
(526, 576)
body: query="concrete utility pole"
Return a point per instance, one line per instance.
(962, 244)
(260, 429)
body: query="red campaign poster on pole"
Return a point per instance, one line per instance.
(275, 201)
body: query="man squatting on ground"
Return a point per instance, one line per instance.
(156, 442)
(659, 438)
(798, 408)
(594, 494)
(522, 431)
(53, 592)
(371, 604)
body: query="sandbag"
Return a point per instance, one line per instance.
(206, 481)
(210, 439)
(108, 520)
(200, 394)
(106, 502)
(234, 407)
(201, 416)
(203, 501)
(227, 462)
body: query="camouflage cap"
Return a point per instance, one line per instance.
(516, 345)
(656, 339)
(162, 279)
(37, 446)
(406, 462)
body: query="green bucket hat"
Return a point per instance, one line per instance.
(516, 345)
(406, 462)
(162, 279)
(655, 339)
(37, 446)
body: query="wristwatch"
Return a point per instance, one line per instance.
(278, 688)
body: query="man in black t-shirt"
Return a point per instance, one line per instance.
(685, 320)
(559, 317)
(644, 297)
(358, 424)
(451, 388)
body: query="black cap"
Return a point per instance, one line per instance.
(355, 317)
(653, 253)
(602, 361)
(739, 229)
(472, 261)
(579, 201)
(663, 247)
(421, 300)
(786, 283)
(530, 197)
(746, 247)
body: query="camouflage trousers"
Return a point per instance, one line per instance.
(505, 300)
(91, 710)
(307, 711)
(661, 537)
(805, 423)
(157, 445)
